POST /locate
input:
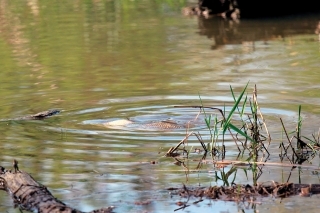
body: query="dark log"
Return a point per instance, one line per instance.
(40, 115)
(273, 8)
(29, 195)
(253, 8)
(218, 6)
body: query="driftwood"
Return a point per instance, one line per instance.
(29, 195)
(40, 115)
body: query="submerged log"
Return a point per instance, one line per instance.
(29, 195)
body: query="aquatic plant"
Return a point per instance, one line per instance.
(246, 126)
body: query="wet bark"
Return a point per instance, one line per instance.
(29, 195)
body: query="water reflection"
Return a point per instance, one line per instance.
(104, 60)
(223, 32)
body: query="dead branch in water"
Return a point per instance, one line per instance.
(29, 195)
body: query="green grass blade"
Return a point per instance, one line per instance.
(243, 106)
(208, 121)
(236, 129)
(226, 125)
(246, 173)
(234, 177)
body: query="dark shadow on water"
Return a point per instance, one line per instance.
(224, 32)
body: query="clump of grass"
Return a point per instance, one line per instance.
(251, 123)
(220, 123)
(246, 126)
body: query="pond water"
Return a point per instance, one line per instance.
(100, 61)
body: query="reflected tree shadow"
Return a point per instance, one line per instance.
(224, 32)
